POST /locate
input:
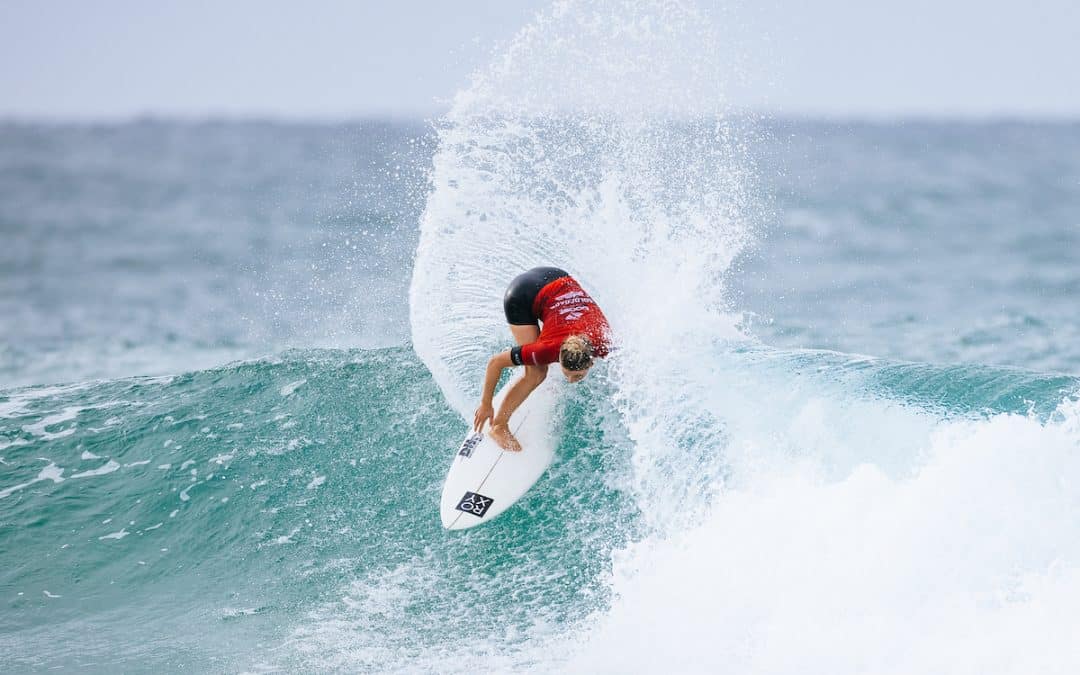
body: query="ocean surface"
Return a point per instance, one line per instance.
(841, 433)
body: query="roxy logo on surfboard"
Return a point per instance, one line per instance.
(470, 444)
(475, 504)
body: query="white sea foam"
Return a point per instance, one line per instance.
(106, 468)
(50, 472)
(285, 538)
(18, 401)
(40, 428)
(969, 564)
(13, 443)
(184, 496)
(291, 387)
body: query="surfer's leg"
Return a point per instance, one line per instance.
(525, 335)
(519, 391)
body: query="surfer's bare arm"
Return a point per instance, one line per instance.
(491, 378)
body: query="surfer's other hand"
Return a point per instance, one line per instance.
(483, 414)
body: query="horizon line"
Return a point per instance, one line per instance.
(418, 117)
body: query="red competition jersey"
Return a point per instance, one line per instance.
(565, 309)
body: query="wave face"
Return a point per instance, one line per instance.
(246, 517)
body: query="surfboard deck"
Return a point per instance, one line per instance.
(484, 480)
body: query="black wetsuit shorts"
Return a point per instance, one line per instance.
(522, 292)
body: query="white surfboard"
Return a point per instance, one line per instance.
(484, 480)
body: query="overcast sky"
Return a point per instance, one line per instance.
(335, 59)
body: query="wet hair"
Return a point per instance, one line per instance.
(576, 353)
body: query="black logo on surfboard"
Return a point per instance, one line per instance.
(475, 504)
(470, 444)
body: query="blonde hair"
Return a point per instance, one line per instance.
(576, 353)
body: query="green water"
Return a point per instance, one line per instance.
(233, 507)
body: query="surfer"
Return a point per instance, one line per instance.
(574, 332)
